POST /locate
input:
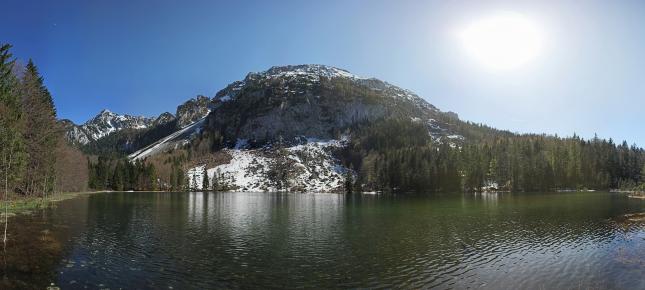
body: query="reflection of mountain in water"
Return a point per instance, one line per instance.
(259, 240)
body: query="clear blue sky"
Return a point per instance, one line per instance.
(146, 57)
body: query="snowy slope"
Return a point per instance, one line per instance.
(310, 168)
(172, 141)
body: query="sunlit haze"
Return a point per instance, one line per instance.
(502, 41)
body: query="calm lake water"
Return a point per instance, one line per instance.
(265, 240)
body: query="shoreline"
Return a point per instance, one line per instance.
(25, 205)
(631, 193)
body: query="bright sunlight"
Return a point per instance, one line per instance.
(502, 41)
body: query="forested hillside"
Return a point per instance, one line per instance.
(399, 155)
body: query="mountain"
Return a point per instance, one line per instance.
(289, 121)
(286, 102)
(164, 118)
(192, 110)
(316, 128)
(110, 133)
(102, 125)
(313, 101)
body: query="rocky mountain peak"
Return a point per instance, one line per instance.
(164, 118)
(314, 101)
(104, 123)
(192, 111)
(304, 70)
(298, 75)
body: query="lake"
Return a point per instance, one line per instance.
(273, 240)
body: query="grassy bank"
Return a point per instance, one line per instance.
(26, 204)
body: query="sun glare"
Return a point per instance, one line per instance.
(502, 41)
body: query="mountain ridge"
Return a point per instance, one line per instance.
(194, 109)
(316, 128)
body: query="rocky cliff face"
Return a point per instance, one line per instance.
(192, 110)
(313, 101)
(74, 133)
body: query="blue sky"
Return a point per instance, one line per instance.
(147, 57)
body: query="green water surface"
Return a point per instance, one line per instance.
(272, 240)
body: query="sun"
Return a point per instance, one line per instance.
(503, 41)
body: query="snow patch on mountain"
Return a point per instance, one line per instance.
(313, 71)
(247, 171)
(308, 167)
(104, 124)
(108, 122)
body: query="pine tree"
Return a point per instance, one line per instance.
(118, 182)
(41, 131)
(91, 180)
(349, 181)
(186, 182)
(173, 178)
(205, 184)
(215, 181)
(193, 183)
(12, 155)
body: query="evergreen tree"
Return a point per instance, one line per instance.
(395, 155)
(349, 181)
(193, 184)
(186, 182)
(215, 181)
(41, 132)
(12, 144)
(118, 181)
(205, 184)
(173, 178)
(122, 174)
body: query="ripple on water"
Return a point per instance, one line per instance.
(230, 240)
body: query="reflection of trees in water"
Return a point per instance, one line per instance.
(490, 198)
(255, 239)
(36, 245)
(228, 240)
(32, 254)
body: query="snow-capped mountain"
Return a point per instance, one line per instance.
(147, 130)
(104, 124)
(313, 101)
(286, 121)
(294, 118)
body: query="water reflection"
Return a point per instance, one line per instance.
(234, 240)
